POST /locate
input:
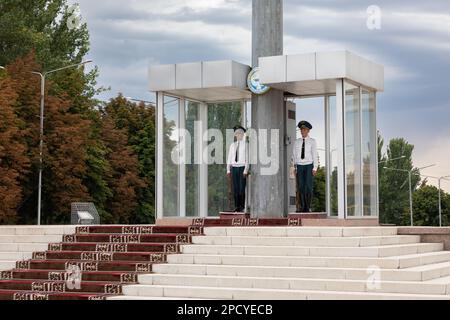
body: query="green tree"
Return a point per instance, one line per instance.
(42, 27)
(221, 116)
(426, 206)
(138, 120)
(64, 154)
(192, 169)
(319, 199)
(394, 184)
(123, 179)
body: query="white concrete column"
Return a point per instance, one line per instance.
(376, 157)
(159, 154)
(340, 137)
(328, 163)
(203, 175)
(182, 166)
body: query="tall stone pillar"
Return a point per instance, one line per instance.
(268, 192)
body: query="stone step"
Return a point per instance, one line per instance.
(127, 238)
(301, 232)
(296, 284)
(441, 280)
(377, 251)
(421, 273)
(36, 230)
(395, 262)
(124, 229)
(306, 241)
(33, 295)
(59, 275)
(264, 294)
(6, 265)
(100, 256)
(30, 238)
(113, 247)
(15, 255)
(23, 247)
(61, 286)
(61, 265)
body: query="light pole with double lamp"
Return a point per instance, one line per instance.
(389, 160)
(440, 191)
(410, 187)
(146, 102)
(43, 76)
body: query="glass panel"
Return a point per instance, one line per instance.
(221, 116)
(352, 150)
(171, 207)
(333, 156)
(192, 169)
(312, 110)
(369, 145)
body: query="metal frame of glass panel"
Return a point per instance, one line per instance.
(343, 177)
(340, 124)
(200, 145)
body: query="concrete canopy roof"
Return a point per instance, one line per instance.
(314, 73)
(304, 74)
(203, 81)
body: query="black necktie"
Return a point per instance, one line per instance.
(237, 152)
(303, 150)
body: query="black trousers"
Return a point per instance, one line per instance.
(239, 185)
(305, 184)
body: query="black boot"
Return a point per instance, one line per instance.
(242, 206)
(302, 202)
(298, 203)
(308, 202)
(238, 203)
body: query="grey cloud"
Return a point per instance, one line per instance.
(408, 47)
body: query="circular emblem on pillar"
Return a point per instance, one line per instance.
(254, 82)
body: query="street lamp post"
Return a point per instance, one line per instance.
(41, 130)
(410, 188)
(140, 100)
(389, 160)
(439, 179)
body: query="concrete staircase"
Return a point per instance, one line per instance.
(19, 242)
(299, 263)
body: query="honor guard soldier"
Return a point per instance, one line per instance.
(237, 167)
(306, 161)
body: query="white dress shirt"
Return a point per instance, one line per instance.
(311, 154)
(242, 157)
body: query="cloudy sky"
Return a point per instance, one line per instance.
(413, 43)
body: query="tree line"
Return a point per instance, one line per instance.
(102, 154)
(93, 151)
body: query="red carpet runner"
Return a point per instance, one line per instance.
(107, 257)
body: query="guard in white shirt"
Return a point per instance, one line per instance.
(306, 161)
(237, 167)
